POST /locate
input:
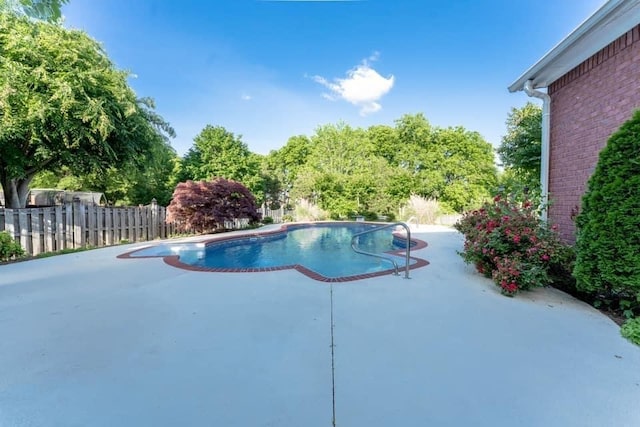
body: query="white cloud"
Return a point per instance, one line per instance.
(246, 97)
(362, 87)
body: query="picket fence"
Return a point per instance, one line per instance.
(76, 225)
(277, 215)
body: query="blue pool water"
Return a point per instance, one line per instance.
(322, 248)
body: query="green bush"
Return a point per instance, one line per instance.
(267, 220)
(507, 241)
(631, 330)
(369, 216)
(608, 227)
(288, 218)
(9, 248)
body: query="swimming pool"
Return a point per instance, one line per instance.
(319, 250)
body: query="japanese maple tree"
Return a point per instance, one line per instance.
(205, 206)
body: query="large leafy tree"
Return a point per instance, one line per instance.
(150, 172)
(147, 175)
(351, 170)
(342, 173)
(216, 152)
(133, 183)
(414, 136)
(463, 164)
(416, 155)
(280, 168)
(286, 161)
(453, 165)
(63, 103)
(150, 179)
(385, 142)
(520, 149)
(48, 10)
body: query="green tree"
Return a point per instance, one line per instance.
(216, 152)
(414, 133)
(152, 179)
(452, 165)
(374, 171)
(413, 130)
(291, 157)
(280, 168)
(385, 142)
(133, 183)
(464, 165)
(418, 156)
(520, 149)
(136, 182)
(342, 174)
(48, 10)
(151, 171)
(608, 237)
(62, 103)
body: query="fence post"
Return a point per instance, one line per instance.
(143, 223)
(79, 224)
(162, 223)
(25, 236)
(36, 231)
(154, 219)
(109, 227)
(91, 225)
(60, 229)
(68, 217)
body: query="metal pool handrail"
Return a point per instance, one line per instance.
(387, 258)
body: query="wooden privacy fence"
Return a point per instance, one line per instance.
(75, 225)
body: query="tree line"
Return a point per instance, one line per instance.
(69, 120)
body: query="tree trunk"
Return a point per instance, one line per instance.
(16, 192)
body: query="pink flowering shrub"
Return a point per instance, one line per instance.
(508, 242)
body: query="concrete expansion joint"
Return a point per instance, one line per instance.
(333, 368)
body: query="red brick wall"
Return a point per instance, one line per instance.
(588, 104)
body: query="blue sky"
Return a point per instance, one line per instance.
(269, 70)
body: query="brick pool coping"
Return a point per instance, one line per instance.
(174, 260)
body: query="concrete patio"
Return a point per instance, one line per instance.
(91, 340)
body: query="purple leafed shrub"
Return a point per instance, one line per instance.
(205, 206)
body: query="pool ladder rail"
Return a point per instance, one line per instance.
(386, 257)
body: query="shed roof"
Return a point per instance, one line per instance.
(608, 23)
(51, 197)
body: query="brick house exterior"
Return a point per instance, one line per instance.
(588, 104)
(592, 81)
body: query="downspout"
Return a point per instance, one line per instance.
(544, 154)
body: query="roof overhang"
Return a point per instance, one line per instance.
(612, 20)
